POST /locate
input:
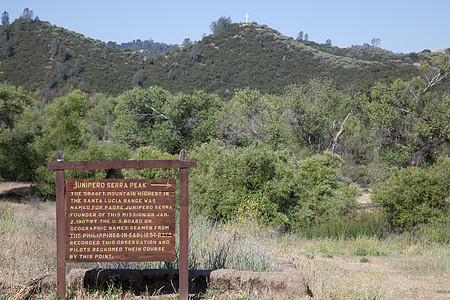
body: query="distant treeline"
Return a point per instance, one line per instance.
(148, 47)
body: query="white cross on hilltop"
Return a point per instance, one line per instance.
(246, 18)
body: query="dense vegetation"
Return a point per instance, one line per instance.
(290, 151)
(143, 48)
(53, 61)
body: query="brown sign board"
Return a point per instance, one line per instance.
(118, 220)
(81, 202)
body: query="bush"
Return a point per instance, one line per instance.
(227, 178)
(321, 192)
(270, 187)
(414, 195)
(46, 181)
(150, 153)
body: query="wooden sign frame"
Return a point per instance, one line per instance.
(60, 165)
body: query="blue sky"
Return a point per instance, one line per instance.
(402, 25)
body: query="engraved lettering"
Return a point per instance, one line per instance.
(106, 218)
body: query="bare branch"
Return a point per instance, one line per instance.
(414, 95)
(160, 114)
(435, 80)
(341, 131)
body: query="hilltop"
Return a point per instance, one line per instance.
(53, 60)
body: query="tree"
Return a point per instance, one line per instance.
(77, 67)
(101, 116)
(194, 117)
(63, 54)
(217, 27)
(65, 127)
(300, 36)
(410, 119)
(19, 126)
(171, 75)
(435, 71)
(376, 42)
(5, 19)
(316, 114)
(60, 70)
(12, 104)
(186, 42)
(306, 37)
(138, 78)
(328, 42)
(137, 111)
(196, 53)
(243, 123)
(55, 46)
(156, 117)
(49, 80)
(27, 14)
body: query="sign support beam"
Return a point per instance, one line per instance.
(184, 230)
(60, 231)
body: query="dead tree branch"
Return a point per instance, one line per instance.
(341, 131)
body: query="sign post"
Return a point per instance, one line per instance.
(120, 220)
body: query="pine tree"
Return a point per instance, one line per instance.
(5, 19)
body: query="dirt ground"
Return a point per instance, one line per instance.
(12, 186)
(380, 278)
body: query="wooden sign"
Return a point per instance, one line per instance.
(118, 220)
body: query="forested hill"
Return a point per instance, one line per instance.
(252, 55)
(53, 60)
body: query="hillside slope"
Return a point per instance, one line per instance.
(53, 60)
(251, 55)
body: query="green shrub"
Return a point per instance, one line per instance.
(320, 192)
(436, 231)
(45, 179)
(227, 178)
(414, 195)
(150, 153)
(268, 186)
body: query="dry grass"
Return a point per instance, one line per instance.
(370, 269)
(27, 240)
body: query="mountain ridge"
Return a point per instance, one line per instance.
(52, 60)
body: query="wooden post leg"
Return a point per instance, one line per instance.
(184, 234)
(60, 233)
(184, 230)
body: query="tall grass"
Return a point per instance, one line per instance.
(212, 246)
(27, 241)
(347, 227)
(226, 246)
